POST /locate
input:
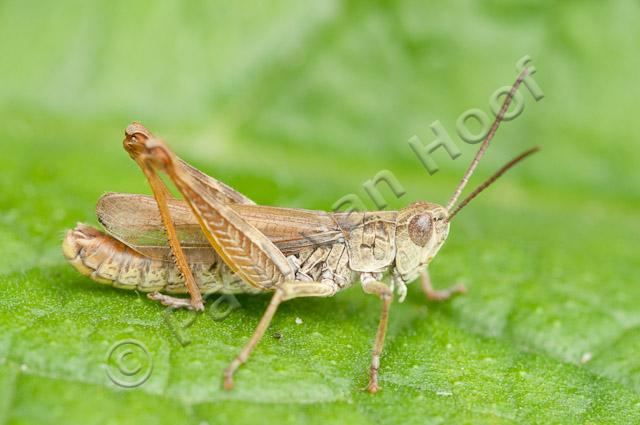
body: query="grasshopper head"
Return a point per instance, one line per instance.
(144, 148)
(421, 229)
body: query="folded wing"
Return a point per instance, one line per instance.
(135, 221)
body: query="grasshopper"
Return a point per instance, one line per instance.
(216, 240)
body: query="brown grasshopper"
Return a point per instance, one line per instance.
(163, 245)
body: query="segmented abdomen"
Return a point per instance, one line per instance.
(109, 261)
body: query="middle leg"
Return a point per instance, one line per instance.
(287, 291)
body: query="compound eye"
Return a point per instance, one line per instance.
(420, 229)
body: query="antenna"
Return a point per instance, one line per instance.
(487, 139)
(492, 179)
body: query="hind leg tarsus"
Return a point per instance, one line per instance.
(173, 302)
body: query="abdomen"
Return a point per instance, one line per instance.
(107, 260)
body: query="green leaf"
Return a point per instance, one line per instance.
(297, 104)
